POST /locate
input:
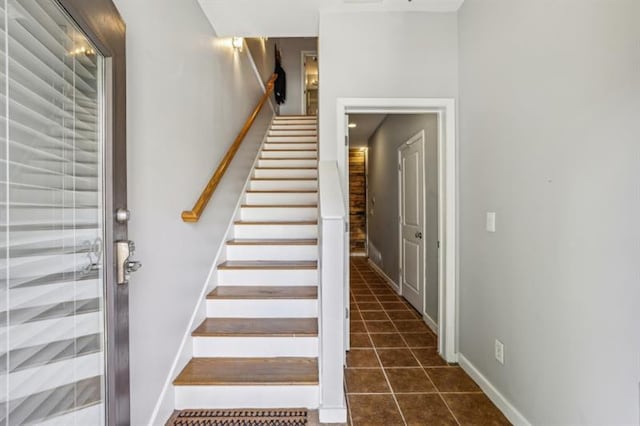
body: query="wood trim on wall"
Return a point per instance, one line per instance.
(357, 200)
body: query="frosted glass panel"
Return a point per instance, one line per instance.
(52, 363)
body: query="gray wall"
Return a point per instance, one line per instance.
(383, 186)
(383, 54)
(550, 141)
(188, 96)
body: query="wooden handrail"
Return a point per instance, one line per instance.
(194, 214)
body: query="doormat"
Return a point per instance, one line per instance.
(248, 417)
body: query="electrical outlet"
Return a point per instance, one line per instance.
(499, 352)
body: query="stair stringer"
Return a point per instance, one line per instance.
(185, 351)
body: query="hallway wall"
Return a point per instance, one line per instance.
(188, 96)
(549, 140)
(383, 215)
(383, 54)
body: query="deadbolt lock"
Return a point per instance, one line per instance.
(125, 266)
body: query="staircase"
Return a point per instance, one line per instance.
(258, 345)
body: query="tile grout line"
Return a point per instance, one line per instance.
(384, 373)
(411, 350)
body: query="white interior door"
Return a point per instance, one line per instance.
(411, 199)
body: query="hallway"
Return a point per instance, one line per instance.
(394, 375)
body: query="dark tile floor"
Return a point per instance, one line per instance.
(394, 375)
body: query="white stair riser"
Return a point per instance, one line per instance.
(311, 126)
(297, 139)
(262, 308)
(278, 213)
(286, 173)
(292, 132)
(288, 163)
(283, 185)
(268, 277)
(276, 145)
(294, 120)
(272, 252)
(275, 231)
(281, 198)
(246, 397)
(249, 347)
(289, 154)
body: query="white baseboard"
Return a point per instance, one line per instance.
(431, 323)
(333, 415)
(510, 412)
(392, 283)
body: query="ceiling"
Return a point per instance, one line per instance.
(299, 18)
(366, 125)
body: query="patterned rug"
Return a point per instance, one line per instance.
(247, 417)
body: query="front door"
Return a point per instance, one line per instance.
(411, 200)
(63, 316)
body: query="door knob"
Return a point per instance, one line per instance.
(419, 235)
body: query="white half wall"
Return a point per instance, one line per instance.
(383, 54)
(188, 94)
(550, 141)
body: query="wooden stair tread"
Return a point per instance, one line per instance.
(274, 242)
(286, 168)
(264, 292)
(249, 371)
(258, 327)
(282, 191)
(269, 264)
(276, 222)
(279, 205)
(289, 150)
(284, 178)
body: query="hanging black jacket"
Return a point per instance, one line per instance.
(280, 85)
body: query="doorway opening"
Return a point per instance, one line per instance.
(310, 82)
(393, 203)
(414, 252)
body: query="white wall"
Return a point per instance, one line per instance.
(188, 96)
(291, 50)
(263, 55)
(550, 140)
(382, 185)
(383, 54)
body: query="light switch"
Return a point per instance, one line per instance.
(491, 222)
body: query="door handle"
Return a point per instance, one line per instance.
(419, 235)
(124, 266)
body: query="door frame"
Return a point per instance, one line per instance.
(102, 24)
(445, 109)
(419, 135)
(303, 87)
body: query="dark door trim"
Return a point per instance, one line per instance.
(101, 22)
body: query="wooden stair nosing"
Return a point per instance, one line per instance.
(249, 372)
(274, 242)
(263, 292)
(288, 206)
(288, 158)
(276, 222)
(285, 178)
(281, 191)
(257, 327)
(268, 265)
